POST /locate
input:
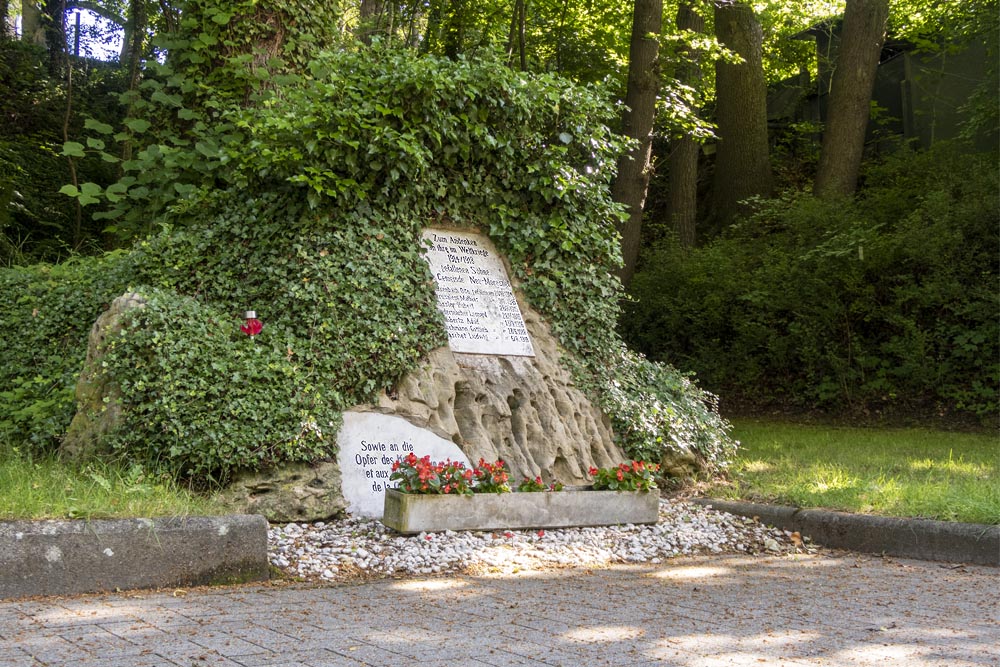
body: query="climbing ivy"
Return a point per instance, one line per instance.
(307, 207)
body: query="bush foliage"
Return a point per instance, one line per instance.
(308, 209)
(885, 302)
(45, 318)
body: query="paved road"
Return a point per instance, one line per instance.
(693, 612)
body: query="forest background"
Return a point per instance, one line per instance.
(803, 264)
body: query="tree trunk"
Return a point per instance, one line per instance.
(371, 12)
(54, 24)
(742, 165)
(134, 39)
(31, 23)
(640, 99)
(171, 16)
(682, 193)
(850, 97)
(454, 29)
(515, 38)
(432, 33)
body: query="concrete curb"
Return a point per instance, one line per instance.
(70, 557)
(911, 538)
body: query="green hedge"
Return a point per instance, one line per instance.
(45, 318)
(885, 302)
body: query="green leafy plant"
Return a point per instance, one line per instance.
(44, 326)
(421, 475)
(634, 476)
(491, 477)
(529, 485)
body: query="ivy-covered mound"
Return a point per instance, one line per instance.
(312, 218)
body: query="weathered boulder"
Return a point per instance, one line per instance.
(98, 402)
(295, 492)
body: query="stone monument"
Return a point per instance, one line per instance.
(497, 391)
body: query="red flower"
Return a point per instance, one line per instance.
(592, 471)
(541, 533)
(252, 327)
(620, 476)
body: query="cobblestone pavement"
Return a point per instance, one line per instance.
(706, 611)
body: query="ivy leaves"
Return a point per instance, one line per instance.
(308, 206)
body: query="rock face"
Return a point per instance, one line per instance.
(98, 404)
(524, 410)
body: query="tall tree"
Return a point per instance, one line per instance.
(31, 22)
(850, 97)
(742, 163)
(632, 182)
(370, 20)
(516, 35)
(682, 192)
(134, 36)
(54, 26)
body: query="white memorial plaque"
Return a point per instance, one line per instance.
(369, 443)
(475, 296)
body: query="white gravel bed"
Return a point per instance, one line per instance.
(352, 547)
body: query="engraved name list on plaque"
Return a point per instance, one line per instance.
(475, 295)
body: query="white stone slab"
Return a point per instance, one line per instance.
(369, 443)
(475, 295)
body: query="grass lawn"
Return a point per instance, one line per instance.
(894, 472)
(50, 489)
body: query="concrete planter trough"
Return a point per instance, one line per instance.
(410, 513)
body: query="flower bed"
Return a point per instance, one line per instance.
(435, 497)
(410, 513)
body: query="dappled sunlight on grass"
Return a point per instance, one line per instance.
(824, 479)
(896, 472)
(952, 466)
(48, 488)
(757, 466)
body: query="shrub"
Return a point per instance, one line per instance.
(887, 301)
(45, 318)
